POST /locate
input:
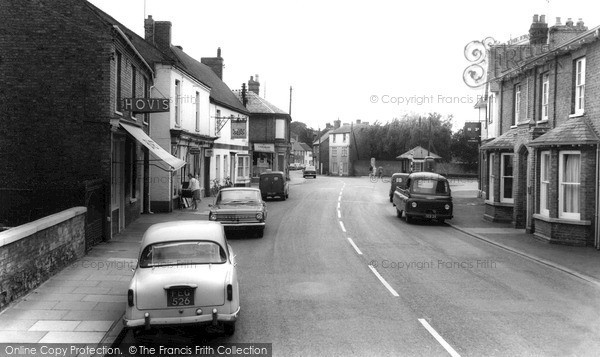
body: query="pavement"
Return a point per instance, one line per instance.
(85, 302)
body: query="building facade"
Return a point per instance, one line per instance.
(70, 139)
(321, 153)
(269, 132)
(199, 128)
(540, 170)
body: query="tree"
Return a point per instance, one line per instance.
(465, 151)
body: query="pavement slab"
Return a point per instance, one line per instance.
(94, 326)
(72, 337)
(54, 325)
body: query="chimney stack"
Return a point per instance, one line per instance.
(215, 63)
(254, 85)
(162, 35)
(244, 97)
(149, 29)
(538, 32)
(337, 123)
(357, 121)
(560, 34)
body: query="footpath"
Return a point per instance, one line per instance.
(85, 302)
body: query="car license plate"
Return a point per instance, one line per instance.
(430, 216)
(180, 297)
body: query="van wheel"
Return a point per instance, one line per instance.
(391, 198)
(398, 213)
(229, 329)
(409, 219)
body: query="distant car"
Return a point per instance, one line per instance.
(294, 166)
(309, 171)
(240, 208)
(186, 275)
(273, 184)
(425, 195)
(397, 180)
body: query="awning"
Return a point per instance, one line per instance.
(154, 148)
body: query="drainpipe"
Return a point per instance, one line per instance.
(597, 224)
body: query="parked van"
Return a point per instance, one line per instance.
(273, 184)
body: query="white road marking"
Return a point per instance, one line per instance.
(338, 205)
(339, 198)
(385, 283)
(439, 338)
(339, 213)
(354, 245)
(342, 225)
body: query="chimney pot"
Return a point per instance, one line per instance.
(254, 85)
(535, 18)
(558, 23)
(543, 19)
(218, 52)
(569, 22)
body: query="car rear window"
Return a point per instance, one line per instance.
(182, 253)
(430, 187)
(238, 196)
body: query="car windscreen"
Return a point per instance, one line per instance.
(430, 187)
(182, 253)
(238, 197)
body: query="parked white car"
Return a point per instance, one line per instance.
(186, 274)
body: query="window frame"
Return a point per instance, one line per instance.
(545, 183)
(118, 82)
(561, 162)
(544, 96)
(516, 105)
(491, 176)
(503, 177)
(197, 111)
(177, 106)
(579, 86)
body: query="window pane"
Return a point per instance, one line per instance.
(508, 182)
(571, 198)
(507, 165)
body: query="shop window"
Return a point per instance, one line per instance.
(544, 182)
(506, 174)
(243, 168)
(569, 182)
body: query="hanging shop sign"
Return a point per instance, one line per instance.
(238, 129)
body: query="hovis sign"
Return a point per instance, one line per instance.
(146, 105)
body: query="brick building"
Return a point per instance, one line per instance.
(540, 160)
(269, 131)
(68, 139)
(342, 147)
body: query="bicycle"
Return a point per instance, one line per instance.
(215, 188)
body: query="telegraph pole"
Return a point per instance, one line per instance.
(290, 111)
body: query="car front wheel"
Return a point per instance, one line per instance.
(229, 329)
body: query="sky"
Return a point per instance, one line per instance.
(373, 61)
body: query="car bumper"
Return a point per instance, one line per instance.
(184, 320)
(242, 225)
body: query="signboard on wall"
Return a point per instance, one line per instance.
(146, 105)
(473, 131)
(264, 147)
(208, 152)
(238, 129)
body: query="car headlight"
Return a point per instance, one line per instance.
(212, 216)
(259, 216)
(447, 206)
(413, 204)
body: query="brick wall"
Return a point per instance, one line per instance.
(37, 250)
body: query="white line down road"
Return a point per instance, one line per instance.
(385, 283)
(354, 245)
(439, 338)
(342, 225)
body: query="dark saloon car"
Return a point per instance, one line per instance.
(425, 195)
(273, 184)
(309, 171)
(240, 208)
(398, 180)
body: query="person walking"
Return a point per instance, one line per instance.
(194, 186)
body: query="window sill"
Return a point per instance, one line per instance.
(513, 126)
(132, 200)
(571, 221)
(576, 115)
(503, 204)
(543, 121)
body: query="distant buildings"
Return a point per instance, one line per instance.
(269, 130)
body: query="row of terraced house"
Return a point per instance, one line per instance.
(540, 158)
(94, 115)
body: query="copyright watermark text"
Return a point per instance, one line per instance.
(434, 264)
